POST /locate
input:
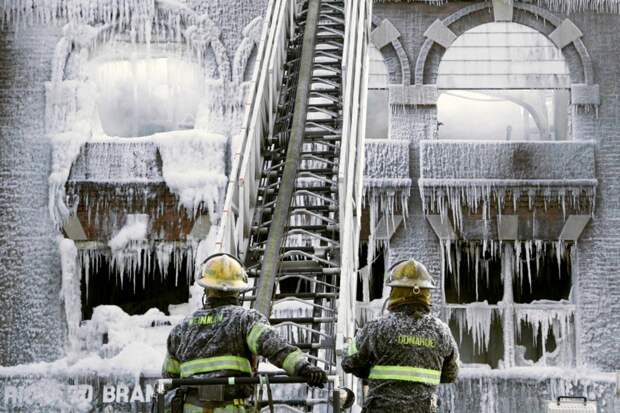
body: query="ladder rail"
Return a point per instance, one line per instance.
(293, 204)
(240, 200)
(271, 257)
(350, 178)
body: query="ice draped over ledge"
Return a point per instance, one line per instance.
(387, 182)
(459, 177)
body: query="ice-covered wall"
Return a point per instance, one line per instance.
(35, 50)
(525, 390)
(31, 318)
(597, 256)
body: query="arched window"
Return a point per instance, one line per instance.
(146, 96)
(503, 81)
(377, 115)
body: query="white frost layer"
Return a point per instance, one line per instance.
(135, 345)
(193, 164)
(65, 149)
(70, 292)
(134, 230)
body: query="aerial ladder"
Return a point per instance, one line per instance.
(293, 202)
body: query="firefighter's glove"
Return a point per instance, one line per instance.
(314, 376)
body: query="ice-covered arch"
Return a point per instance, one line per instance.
(563, 33)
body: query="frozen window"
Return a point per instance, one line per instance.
(509, 304)
(503, 81)
(377, 115)
(146, 96)
(371, 281)
(476, 274)
(146, 279)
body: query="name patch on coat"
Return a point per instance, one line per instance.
(416, 341)
(206, 319)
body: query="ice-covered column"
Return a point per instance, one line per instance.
(31, 326)
(506, 305)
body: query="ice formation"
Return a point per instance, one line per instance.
(448, 197)
(546, 317)
(476, 319)
(519, 388)
(70, 289)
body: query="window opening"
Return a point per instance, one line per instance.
(146, 96)
(524, 305)
(377, 115)
(503, 81)
(148, 281)
(476, 273)
(376, 272)
(543, 272)
(479, 333)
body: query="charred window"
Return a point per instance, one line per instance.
(473, 273)
(509, 304)
(136, 280)
(543, 272)
(479, 332)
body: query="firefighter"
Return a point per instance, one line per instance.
(405, 354)
(223, 339)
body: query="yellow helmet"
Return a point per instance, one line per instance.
(410, 274)
(223, 272)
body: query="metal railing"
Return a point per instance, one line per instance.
(350, 180)
(241, 191)
(241, 197)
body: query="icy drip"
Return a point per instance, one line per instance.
(135, 259)
(545, 318)
(449, 198)
(70, 290)
(384, 203)
(529, 255)
(475, 318)
(477, 255)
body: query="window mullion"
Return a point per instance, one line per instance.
(507, 305)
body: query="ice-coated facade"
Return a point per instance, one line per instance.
(120, 120)
(520, 235)
(86, 202)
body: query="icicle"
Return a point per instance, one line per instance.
(528, 255)
(479, 324)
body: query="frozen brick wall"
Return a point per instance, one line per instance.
(597, 274)
(31, 324)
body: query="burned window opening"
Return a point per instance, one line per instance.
(481, 342)
(554, 325)
(529, 342)
(543, 272)
(148, 287)
(473, 273)
(376, 273)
